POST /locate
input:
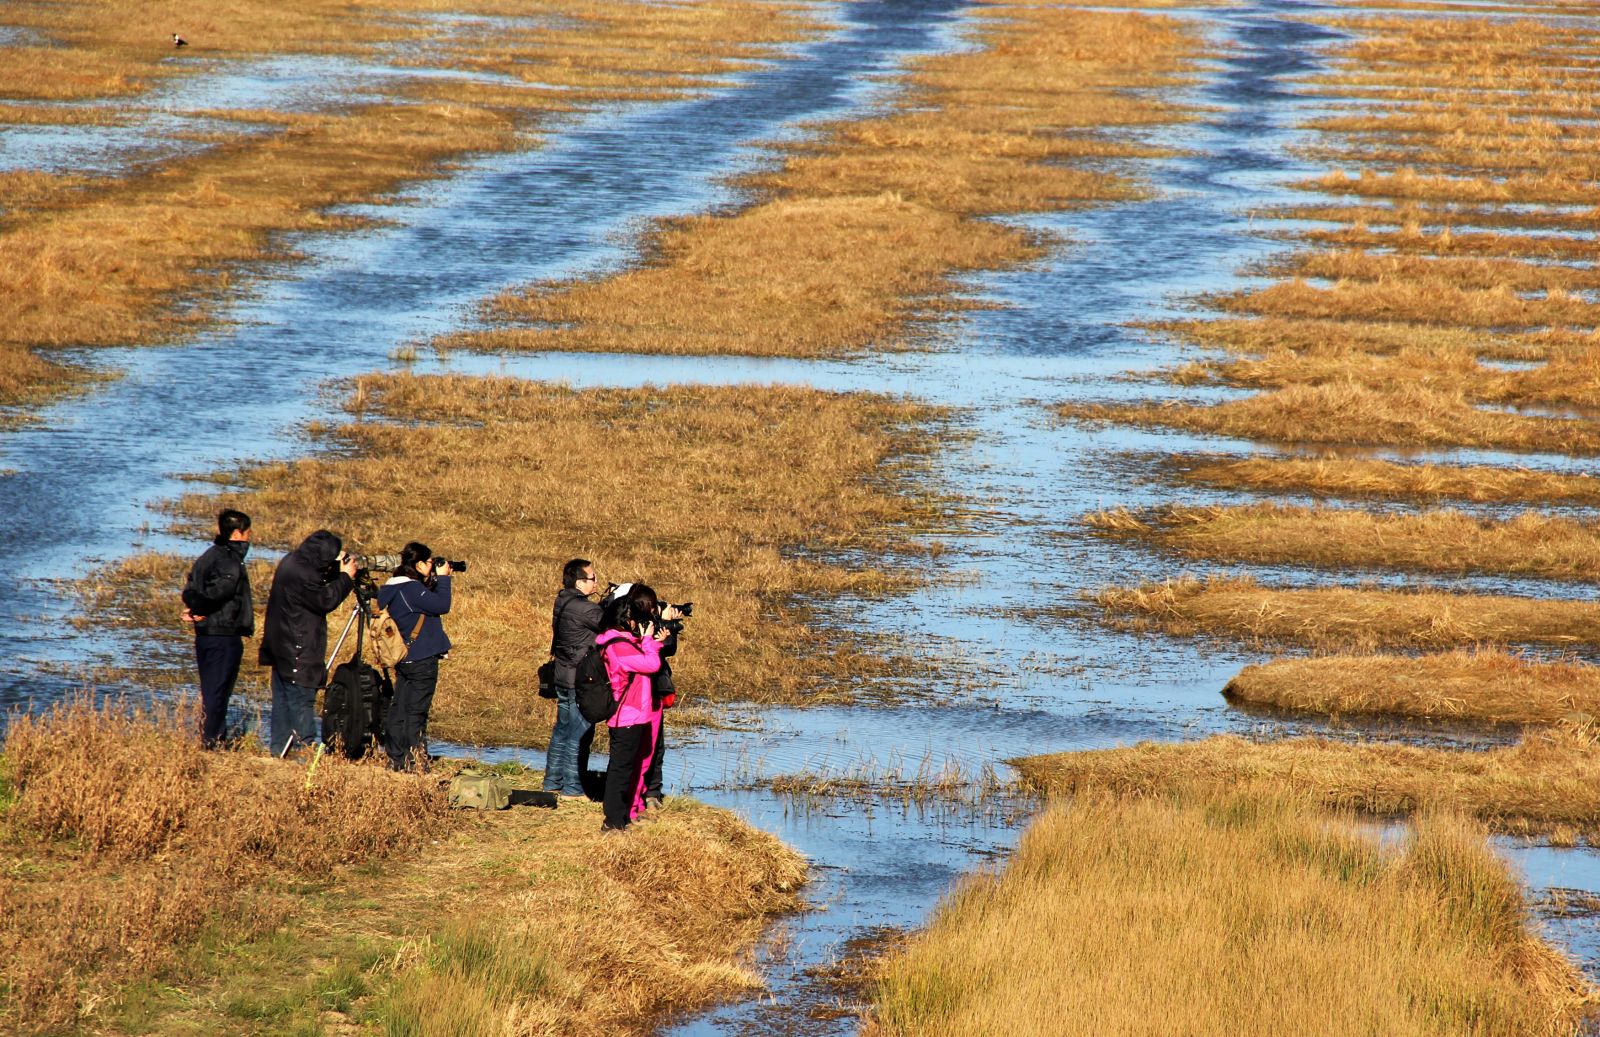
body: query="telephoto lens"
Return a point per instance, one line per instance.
(459, 567)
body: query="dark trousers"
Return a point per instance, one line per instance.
(652, 776)
(217, 658)
(406, 727)
(628, 748)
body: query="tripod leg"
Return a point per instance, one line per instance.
(354, 613)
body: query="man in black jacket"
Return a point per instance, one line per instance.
(574, 622)
(216, 599)
(310, 582)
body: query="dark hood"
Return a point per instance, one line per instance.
(320, 549)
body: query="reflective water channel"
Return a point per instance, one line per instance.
(1014, 679)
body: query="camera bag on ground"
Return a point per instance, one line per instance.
(354, 707)
(597, 699)
(479, 790)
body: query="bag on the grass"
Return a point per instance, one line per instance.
(479, 790)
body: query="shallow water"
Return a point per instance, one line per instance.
(82, 486)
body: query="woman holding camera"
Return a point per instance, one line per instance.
(632, 646)
(416, 596)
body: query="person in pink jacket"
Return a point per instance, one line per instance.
(632, 645)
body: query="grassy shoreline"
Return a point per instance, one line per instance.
(224, 892)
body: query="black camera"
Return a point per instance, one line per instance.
(459, 567)
(687, 608)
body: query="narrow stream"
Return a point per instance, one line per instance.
(1018, 680)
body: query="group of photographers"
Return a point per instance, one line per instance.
(311, 581)
(633, 630)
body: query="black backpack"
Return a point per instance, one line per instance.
(354, 708)
(597, 699)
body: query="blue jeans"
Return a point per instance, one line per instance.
(293, 712)
(561, 761)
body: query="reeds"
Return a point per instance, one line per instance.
(1410, 415)
(1347, 618)
(1362, 477)
(1482, 686)
(1441, 541)
(130, 862)
(132, 841)
(1542, 786)
(1240, 911)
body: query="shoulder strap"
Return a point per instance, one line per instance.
(422, 617)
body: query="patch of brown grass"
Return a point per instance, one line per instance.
(1485, 686)
(1239, 911)
(1443, 541)
(807, 277)
(741, 499)
(126, 839)
(1408, 416)
(1361, 477)
(1545, 785)
(856, 235)
(1347, 618)
(125, 845)
(1420, 300)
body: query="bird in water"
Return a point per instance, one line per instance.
(179, 41)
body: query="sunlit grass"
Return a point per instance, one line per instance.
(1226, 912)
(1493, 687)
(1347, 618)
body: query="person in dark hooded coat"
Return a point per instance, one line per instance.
(310, 582)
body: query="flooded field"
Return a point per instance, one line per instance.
(1025, 668)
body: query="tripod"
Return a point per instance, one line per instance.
(358, 615)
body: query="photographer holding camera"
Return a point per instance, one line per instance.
(632, 646)
(309, 583)
(417, 595)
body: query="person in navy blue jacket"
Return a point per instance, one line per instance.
(416, 596)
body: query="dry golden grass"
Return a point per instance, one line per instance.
(125, 840)
(1420, 300)
(1360, 265)
(806, 277)
(1345, 618)
(1260, 335)
(1442, 541)
(125, 844)
(1483, 686)
(734, 498)
(137, 259)
(1568, 380)
(1409, 416)
(1545, 785)
(1360, 477)
(1244, 912)
(855, 237)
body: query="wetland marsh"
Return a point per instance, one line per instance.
(959, 631)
